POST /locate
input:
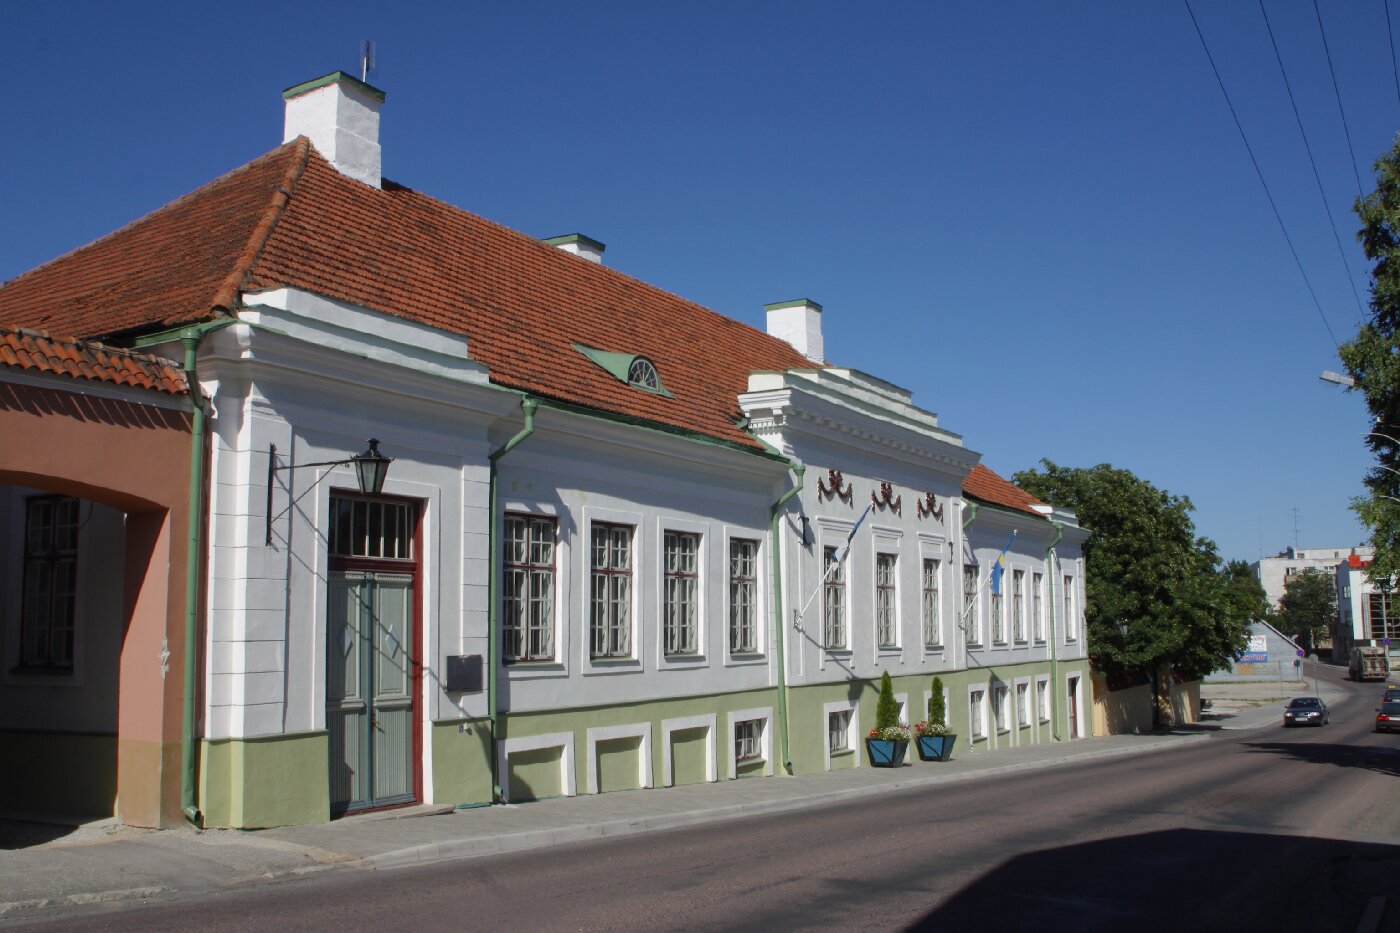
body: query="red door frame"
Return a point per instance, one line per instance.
(413, 567)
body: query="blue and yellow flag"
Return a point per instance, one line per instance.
(1000, 566)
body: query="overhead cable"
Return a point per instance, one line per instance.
(1307, 147)
(1346, 131)
(1255, 162)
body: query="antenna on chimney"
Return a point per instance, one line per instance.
(366, 59)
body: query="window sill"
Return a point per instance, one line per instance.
(841, 752)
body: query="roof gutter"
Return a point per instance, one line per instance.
(528, 405)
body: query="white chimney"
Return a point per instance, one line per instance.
(800, 324)
(579, 245)
(340, 115)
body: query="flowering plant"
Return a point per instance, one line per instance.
(896, 733)
(930, 728)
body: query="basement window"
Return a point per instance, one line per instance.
(637, 371)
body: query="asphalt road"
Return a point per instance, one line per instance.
(1273, 829)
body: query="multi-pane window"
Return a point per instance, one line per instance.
(743, 596)
(976, 712)
(834, 601)
(681, 592)
(1042, 696)
(970, 621)
(1018, 607)
(1023, 705)
(838, 730)
(933, 622)
(748, 740)
(1038, 605)
(1382, 616)
(999, 706)
(527, 624)
(885, 627)
(610, 620)
(1071, 631)
(371, 528)
(50, 582)
(998, 616)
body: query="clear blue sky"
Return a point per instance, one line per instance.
(1038, 217)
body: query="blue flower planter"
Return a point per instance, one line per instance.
(936, 747)
(885, 753)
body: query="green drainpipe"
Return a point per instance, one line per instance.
(1054, 655)
(775, 573)
(527, 406)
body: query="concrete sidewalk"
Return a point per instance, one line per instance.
(108, 863)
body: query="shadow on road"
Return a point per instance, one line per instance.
(1380, 758)
(1179, 880)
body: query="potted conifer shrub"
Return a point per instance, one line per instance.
(889, 740)
(934, 741)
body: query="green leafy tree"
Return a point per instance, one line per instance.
(1372, 358)
(1308, 607)
(1146, 567)
(1244, 598)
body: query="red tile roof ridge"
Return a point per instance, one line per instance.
(227, 296)
(95, 361)
(590, 267)
(164, 208)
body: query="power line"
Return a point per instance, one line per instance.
(1331, 221)
(1346, 131)
(1255, 162)
(1390, 34)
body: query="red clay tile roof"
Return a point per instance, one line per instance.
(35, 350)
(984, 485)
(290, 219)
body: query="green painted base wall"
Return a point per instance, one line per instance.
(461, 763)
(619, 765)
(266, 781)
(688, 757)
(535, 775)
(60, 774)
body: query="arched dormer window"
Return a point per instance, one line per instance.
(642, 374)
(637, 371)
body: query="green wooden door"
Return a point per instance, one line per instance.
(369, 689)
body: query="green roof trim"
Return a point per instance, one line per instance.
(796, 303)
(335, 77)
(619, 366)
(569, 238)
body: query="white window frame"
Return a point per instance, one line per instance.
(1071, 619)
(887, 615)
(852, 729)
(1038, 606)
(755, 607)
(1022, 698)
(583, 560)
(765, 714)
(977, 711)
(681, 635)
(971, 611)
(1000, 711)
(930, 603)
(998, 612)
(834, 591)
(529, 624)
(1042, 698)
(1018, 605)
(611, 650)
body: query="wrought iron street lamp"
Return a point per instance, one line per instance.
(371, 468)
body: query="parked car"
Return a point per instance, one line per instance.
(1388, 717)
(1391, 695)
(1308, 711)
